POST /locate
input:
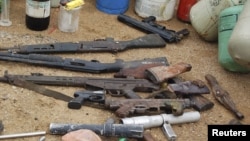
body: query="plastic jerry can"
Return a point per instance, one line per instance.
(227, 21)
(204, 17)
(162, 10)
(239, 42)
(184, 9)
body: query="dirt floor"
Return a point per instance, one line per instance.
(24, 111)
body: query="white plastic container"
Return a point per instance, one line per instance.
(227, 21)
(204, 17)
(68, 20)
(239, 41)
(5, 13)
(163, 10)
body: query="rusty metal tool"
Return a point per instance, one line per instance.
(223, 96)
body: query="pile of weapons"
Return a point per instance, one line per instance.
(149, 75)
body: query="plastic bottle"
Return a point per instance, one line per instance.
(163, 10)
(239, 41)
(5, 13)
(204, 17)
(68, 20)
(37, 14)
(227, 21)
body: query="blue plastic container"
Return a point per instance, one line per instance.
(112, 6)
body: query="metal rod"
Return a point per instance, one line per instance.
(23, 135)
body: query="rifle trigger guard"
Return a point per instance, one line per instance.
(96, 98)
(118, 94)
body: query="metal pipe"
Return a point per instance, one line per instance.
(23, 135)
(159, 120)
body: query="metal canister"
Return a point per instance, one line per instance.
(227, 21)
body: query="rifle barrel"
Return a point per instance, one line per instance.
(93, 66)
(104, 45)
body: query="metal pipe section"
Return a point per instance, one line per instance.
(106, 129)
(159, 120)
(23, 135)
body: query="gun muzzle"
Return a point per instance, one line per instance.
(108, 129)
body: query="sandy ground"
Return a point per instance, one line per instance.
(24, 111)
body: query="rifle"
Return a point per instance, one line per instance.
(114, 86)
(194, 87)
(176, 86)
(88, 98)
(99, 45)
(159, 74)
(148, 25)
(107, 129)
(93, 66)
(138, 72)
(126, 107)
(201, 103)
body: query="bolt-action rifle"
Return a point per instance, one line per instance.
(114, 86)
(99, 45)
(93, 66)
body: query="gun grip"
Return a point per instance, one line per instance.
(131, 94)
(123, 111)
(76, 103)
